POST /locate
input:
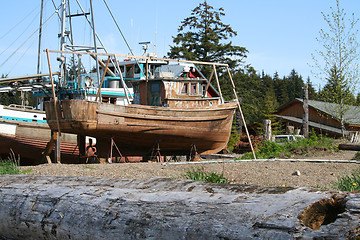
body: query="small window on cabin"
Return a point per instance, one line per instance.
(203, 89)
(137, 69)
(155, 87)
(193, 88)
(184, 89)
(130, 71)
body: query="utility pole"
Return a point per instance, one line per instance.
(306, 110)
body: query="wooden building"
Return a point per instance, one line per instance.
(323, 117)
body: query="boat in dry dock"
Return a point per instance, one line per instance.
(135, 105)
(174, 109)
(140, 129)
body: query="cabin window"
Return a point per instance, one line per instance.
(203, 89)
(130, 71)
(155, 87)
(137, 69)
(193, 88)
(184, 89)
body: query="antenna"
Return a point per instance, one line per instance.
(145, 46)
(156, 30)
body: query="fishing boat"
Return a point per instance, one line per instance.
(175, 110)
(138, 105)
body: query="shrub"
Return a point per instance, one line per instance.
(199, 174)
(269, 149)
(349, 183)
(8, 167)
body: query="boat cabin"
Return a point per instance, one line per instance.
(179, 85)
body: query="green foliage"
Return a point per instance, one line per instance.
(199, 174)
(349, 183)
(270, 149)
(203, 35)
(337, 60)
(357, 156)
(234, 138)
(8, 167)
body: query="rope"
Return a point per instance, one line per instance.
(25, 41)
(13, 42)
(117, 25)
(14, 27)
(21, 57)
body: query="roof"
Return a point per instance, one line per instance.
(179, 68)
(313, 124)
(352, 113)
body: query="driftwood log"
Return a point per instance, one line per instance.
(351, 147)
(53, 207)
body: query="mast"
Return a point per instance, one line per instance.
(95, 46)
(62, 42)
(40, 32)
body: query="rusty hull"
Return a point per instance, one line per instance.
(138, 129)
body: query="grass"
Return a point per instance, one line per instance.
(9, 167)
(268, 149)
(349, 182)
(199, 174)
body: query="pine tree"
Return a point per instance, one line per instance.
(295, 85)
(311, 90)
(281, 89)
(202, 37)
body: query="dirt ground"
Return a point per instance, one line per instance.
(274, 173)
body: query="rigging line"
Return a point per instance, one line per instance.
(90, 24)
(21, 57)
(21, 34)
(14, 27)
(26, 41)
(117, 25)
(97, 36)
(127, 44)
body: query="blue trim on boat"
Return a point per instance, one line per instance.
(22, 119)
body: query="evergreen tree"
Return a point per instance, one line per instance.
(281, 89)
(311, 90)
(336, 90)
(202, 37)
(295, 86)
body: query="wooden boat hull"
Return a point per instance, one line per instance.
(29, 140)
(139, 130)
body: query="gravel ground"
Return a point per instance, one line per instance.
(320, 175)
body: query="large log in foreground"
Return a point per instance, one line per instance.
(53, 207)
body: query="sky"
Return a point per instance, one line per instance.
(280, 35)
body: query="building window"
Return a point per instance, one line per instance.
(193, 88)
(184, 89)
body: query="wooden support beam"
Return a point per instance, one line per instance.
(57, 140)
(140, 57)
(111, 73)
(49, 147)
(241, 113)
(102, 79)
